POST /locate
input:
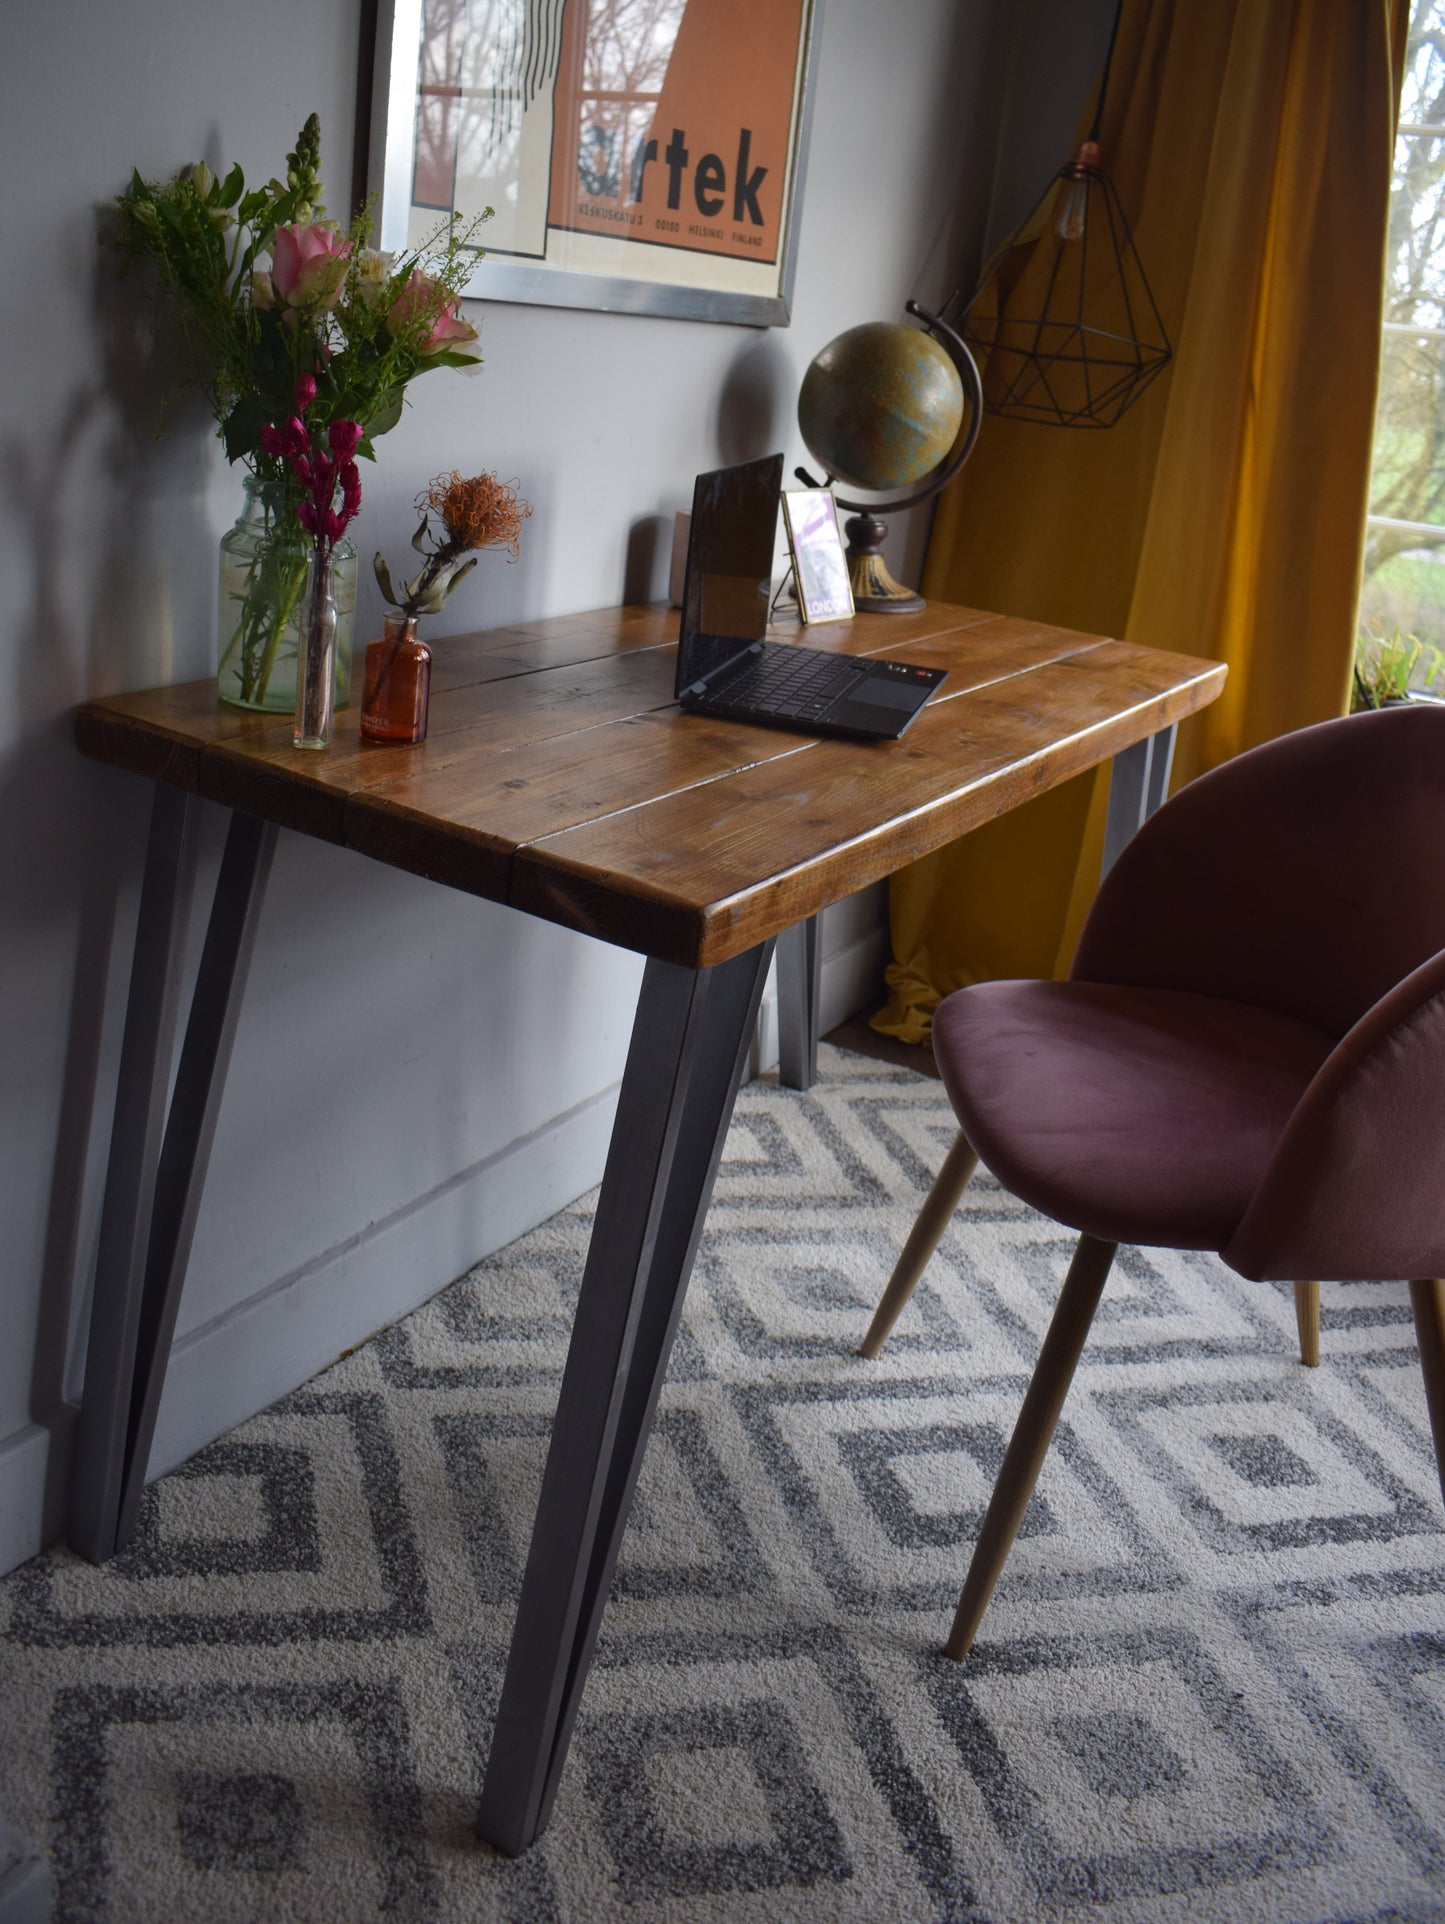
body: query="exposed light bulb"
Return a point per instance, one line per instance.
(1073, 211)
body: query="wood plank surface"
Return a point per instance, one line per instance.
(454, 808)
(559, 775)
(710, 871)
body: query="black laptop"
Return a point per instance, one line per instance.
(724, 664)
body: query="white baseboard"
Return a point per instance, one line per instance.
(853, 978)
(24, 1475)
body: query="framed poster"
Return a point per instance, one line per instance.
(644, 156)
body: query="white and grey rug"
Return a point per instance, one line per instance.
(1211, 1684)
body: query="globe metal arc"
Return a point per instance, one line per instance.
(887, 406)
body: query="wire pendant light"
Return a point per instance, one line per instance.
(1064, 324)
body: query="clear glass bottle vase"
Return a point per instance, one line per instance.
(264, 562)
(316, 672)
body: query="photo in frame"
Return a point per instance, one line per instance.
(815, 543)
(641, 156)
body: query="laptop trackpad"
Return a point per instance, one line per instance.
(880, 708)
(878, 691)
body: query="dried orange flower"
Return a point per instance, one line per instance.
(482, 512)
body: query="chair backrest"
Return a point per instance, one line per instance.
(1306, 876)
(1355, 1189)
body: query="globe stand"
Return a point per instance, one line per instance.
(874, 589)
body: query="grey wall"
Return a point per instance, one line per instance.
(418, 1076)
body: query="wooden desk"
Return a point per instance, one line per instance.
(558, 777)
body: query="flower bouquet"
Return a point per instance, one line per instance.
(271, 292)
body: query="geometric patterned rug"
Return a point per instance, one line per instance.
(1211, 1683)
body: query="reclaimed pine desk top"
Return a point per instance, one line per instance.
(560, 777)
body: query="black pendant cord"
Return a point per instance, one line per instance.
(1108, 63)
(949, 307)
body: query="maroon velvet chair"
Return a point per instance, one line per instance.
(1248, 1057)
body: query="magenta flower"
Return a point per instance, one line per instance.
(308, 266)
(323, 517)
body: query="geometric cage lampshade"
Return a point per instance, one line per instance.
(1064, 326)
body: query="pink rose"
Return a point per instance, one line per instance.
(449, 330)
(421, 300)
(308, 266)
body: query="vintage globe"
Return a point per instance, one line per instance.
(881, 406)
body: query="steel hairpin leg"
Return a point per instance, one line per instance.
(158, 1157)
(1138, 783)
(689, 1045)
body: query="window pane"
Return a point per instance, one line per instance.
(1415, 286)
(1407, 480)
(1407, 592)
(1422, 92)
(1404, 575)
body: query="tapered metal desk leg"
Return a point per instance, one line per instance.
(158, 1159)
(135, 1143)
(191, 1129)
(1138, 783)
(689, 1045)
(800, 977)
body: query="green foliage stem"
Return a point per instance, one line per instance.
(1390, 664)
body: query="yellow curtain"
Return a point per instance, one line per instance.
(1251, 145)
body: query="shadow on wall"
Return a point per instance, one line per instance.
(649, 554)
(121, 595)
(755, 407)
(155, 590)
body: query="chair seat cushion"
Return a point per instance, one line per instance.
(1137, 1115)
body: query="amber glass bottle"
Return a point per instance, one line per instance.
(397, 684)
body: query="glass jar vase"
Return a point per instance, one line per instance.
(264, 564)
(396, 684)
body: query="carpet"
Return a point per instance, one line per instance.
(1211, 1684)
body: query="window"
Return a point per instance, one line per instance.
(1404, 579)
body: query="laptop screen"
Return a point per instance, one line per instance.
(730, 549)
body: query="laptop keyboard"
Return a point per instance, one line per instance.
(797, 683)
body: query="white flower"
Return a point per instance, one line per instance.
(373, 271)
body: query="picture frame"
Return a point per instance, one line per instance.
(661, 175)
(815, 546)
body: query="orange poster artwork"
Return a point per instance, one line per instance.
(639, 154)
(680, 137)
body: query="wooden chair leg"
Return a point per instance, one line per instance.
(1427, 1300)
(1307, 1315)
(938, 1207)
(1029, 1444)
